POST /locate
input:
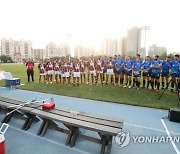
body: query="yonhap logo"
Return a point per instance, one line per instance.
(122, 139)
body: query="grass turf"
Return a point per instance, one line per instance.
(102, 92)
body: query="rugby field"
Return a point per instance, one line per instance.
(108, 93)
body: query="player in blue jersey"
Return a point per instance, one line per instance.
(165, 72)
(146, 72)
(175, 69)
(121, 71)
(156, 70)
(99, 70)
(178, 81)
(115, 59)
(134, 82)
(105, 68)
(128, 71)
(137, 65)
(118, 69)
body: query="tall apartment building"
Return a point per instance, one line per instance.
(53, 50)
(39, 53)
(81, 51)
(110, 47)
(155, 50)
(63, 49)
(133, 41)
(17, 50)
(122, 46)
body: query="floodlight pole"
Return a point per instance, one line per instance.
(145, 38)
(145, 29)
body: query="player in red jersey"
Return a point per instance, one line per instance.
(66, 75)
(46, 71)
(56, 69)
(59, 72)
(50, 71)
(62, 72)
(30, 70)
(41, 68)
(71, 69)
(92, 69)
(76, 69)
(110, 71)
(88, 68)
(82, 70)
(100, 68)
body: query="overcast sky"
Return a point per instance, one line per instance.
(89, 21)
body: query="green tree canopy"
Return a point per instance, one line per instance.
(6, 59)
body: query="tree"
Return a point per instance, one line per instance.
(6, 59)
(163, 56)
(84, 58)
(54, 58)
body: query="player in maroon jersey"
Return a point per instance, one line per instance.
(99, 71)
(30, 70)
(92, 69)
(82, 70)
(71, 69)
(59, 72)
(88, 70)
(62, 72)
(66, 75)
(76, 68)
(41, 68)
(50, 66)
(56, 69)
(46, 71)
(110, 71)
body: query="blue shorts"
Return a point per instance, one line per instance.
(128, 73)
(155, 75)
(164, 73)
(148, 74)
(121, 71)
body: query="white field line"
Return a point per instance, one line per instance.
(154, 129)
(168, 133)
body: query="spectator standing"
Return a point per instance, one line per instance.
(30, 70)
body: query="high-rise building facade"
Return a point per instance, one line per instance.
(155, 50)
(51, 50)
(17, 50)
(39, 54)
(133, 41)
(63, 50)
(54, 50)
(110, 47)
(81, 51)
(124, 46)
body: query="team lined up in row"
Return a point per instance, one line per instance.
(116, 67)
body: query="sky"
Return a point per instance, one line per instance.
(89, 21)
